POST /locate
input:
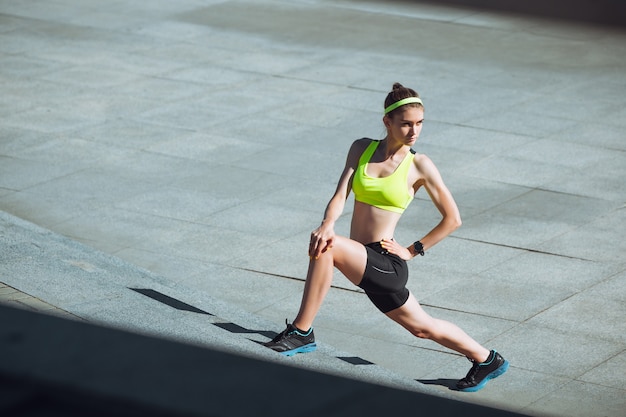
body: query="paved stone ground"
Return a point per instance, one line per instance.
(201, 140)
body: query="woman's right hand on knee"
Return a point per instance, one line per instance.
(322, 239)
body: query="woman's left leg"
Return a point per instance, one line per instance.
(412, 317)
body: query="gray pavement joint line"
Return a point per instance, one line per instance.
(487, 129)
(294, 278)
(524, 249)
(290, 77)
(358, 291)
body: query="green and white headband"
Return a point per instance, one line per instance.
(402, 102)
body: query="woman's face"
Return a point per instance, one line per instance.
(405, 125)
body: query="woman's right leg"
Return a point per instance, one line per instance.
(347, 255)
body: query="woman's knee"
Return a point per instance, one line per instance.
(422, 332)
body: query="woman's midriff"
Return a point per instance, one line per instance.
(371, 224)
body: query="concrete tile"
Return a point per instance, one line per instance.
(69, 150)
(486, 100)
(598, 135)
(480, 194)
(38, 10)
(340, 73)
(160, 90)
(503, 300)
(211, 179)
(588, 241)
(213, 76)
(309, 114)
(172, 30)
(595, 309)
(558, 352)
(605, 183)
(264, 220)
(93, 188)
(207, 147)
(177, 115)
(14, 140)
(578, 399)
(517, 171)
(248, 290)
(305, 194)
(89, 76)
(33, 172)
(100, 103)
(11, 23)
(284, 257)
(174, 203)
(608, 374)
(16, 67)
(184, 54)
(132, 62)
(174, 269)
(19, 41)
(128, 133)
(562, 152)
(552, 271)
(204, 243)
(361, 99)
(305, 165)
(511, 230)
(451, 161)
(518, 123)
(289, 62)
(472, 139)
(611, 288)
(546, 205)
(616, 118)
(124, 228)
(51, 119)
(153, 168)
(267, 131)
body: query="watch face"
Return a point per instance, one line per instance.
(419, 248)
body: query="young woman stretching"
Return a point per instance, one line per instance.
(384, 176)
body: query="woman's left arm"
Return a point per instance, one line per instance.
(441, 198)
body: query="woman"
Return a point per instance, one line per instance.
(384, 176)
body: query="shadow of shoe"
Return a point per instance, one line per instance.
(448, 383)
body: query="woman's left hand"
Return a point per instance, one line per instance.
(395, 248)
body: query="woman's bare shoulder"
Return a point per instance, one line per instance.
(359, 145)
(421, 160)
(363, 142)
(425, 166)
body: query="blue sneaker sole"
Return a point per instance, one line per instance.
(502, 369)
(302, 349)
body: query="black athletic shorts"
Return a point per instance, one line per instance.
(385, 278)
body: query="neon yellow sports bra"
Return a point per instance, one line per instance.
(387, 193)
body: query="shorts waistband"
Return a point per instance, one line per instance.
(377, 247)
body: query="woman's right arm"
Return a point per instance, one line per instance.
(323, 237)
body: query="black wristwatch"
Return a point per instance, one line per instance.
(418, 248)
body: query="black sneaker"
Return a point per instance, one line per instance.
(291, 341)
(481, 373)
